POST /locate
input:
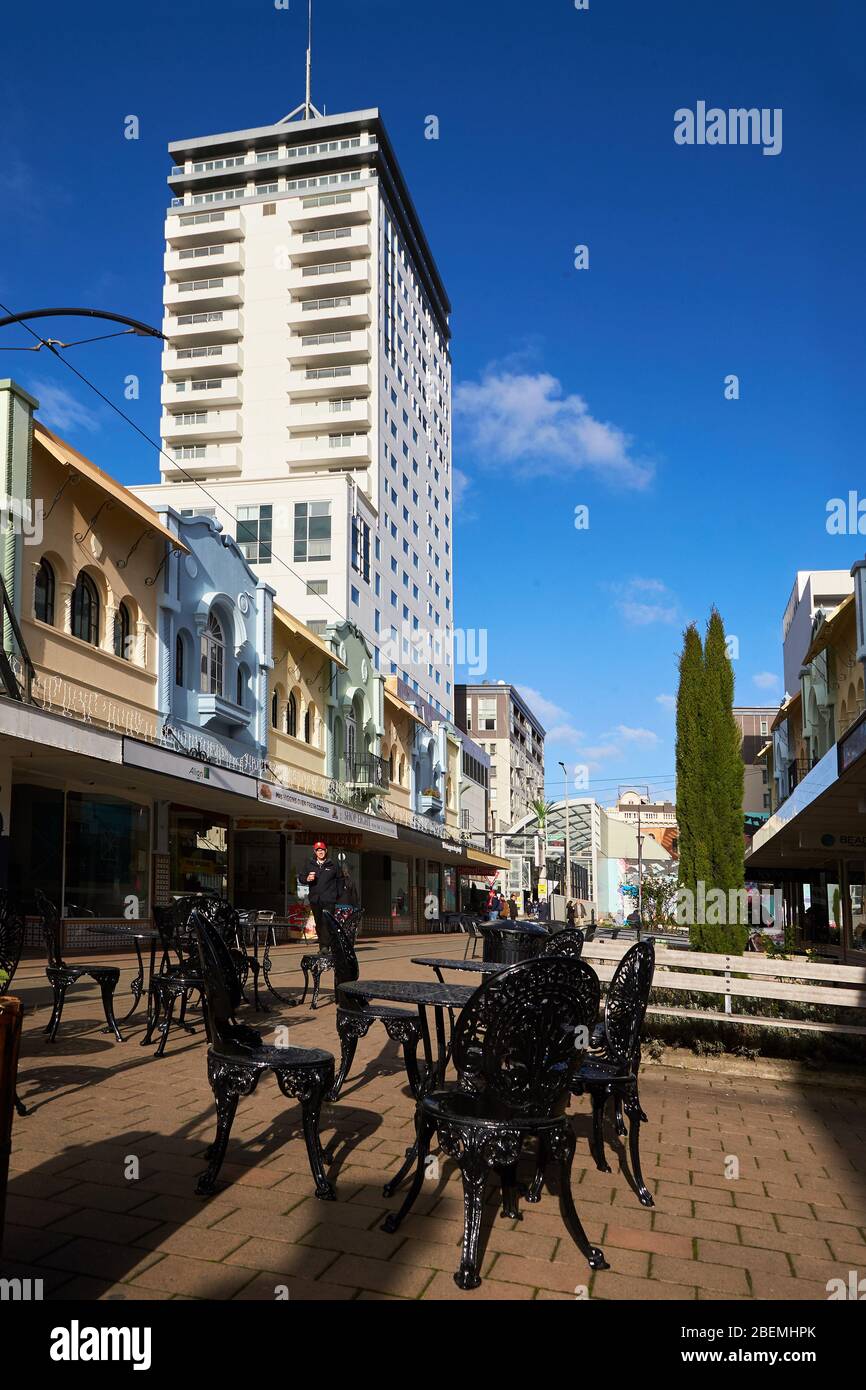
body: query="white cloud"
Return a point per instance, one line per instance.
(667, 701)
(556, 720)
(60, 410)
(643, 611)
(766, 680)
(628, 735)
(600, 752)
(460, 485)
(525, 420)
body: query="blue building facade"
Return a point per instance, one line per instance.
(215, 646)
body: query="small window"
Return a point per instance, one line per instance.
(122, 633)
(308, 727)
(268, 209)
(292, 717)
(275, 713)
(44, 595)
(240, 686)
(178, 661)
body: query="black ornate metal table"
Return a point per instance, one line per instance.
(509, 943)
(266, 927)
(476, 967)
(136, 935)
(423, 994)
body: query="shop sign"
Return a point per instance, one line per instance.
(324, 810)
(152, 759)
(852, 747)
(845, 840)
(337, 839)
(455, 849)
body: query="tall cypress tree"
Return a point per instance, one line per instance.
(723, 782)
(690, 759)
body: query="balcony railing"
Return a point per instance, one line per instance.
(365, 770)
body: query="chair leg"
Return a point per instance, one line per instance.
(20, 1107)
(424, 1130)
(620, 1122)
(306, 982)
(311, 1091)
(473, 1172)
(107, 988)
(599, 1099)
(510, 1207)
(59, 987)
(166, 1027)
(226, 1104)
(350, 1028)
(634, 1113)
(317, 980)
(533, 1192)
(562, 1147)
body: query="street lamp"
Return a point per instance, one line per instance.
(567, 840)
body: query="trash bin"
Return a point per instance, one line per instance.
(509, 943)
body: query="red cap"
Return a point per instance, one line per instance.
(320, 844)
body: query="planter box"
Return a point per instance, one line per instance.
(10, 1039)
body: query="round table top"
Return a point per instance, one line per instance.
(114, 929)
(411, 992)
(480, 967)
(523, 928)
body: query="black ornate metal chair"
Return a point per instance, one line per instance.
(355, 1017)
(238, 1057)
(317, 965)
(61, 974)
(612, 1071)
(516, 1046)
(227, 921)
(565, 943)
(179, 975)
(12, 927)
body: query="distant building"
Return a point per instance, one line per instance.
(501, 722)
(814, 592)
(755, 723)
(658, 819)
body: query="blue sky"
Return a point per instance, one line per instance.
(601, 388)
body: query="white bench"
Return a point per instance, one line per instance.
(752, 976)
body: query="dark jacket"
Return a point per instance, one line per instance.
(325, 889)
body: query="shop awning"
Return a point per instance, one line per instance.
(70, 458)
(299, 629)
(829, 628)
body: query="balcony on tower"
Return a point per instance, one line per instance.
(322, 312)
(215, 291)
(201, 425)
(330, 347)
(334, 450)
(203, 326)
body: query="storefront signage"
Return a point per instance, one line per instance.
(449, 845)
(152, 759)
(827, 839)
(852, 747)
(324, 810)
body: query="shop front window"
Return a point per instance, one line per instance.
(36, 845)
(260, 871)
(107, 857)
(198, 848)
(400, 897)
(820, 915)
(857, 904)
(433, 895)
(449, 889)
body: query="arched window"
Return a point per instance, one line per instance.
(391, 766)
(308, 725)
(85, 610)
(241, 686)
(122, 627)
(402, 772)
(178, 660)
(212, 657)
(292, 716)
(44, 596)
(275, 712)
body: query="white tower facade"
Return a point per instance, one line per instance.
(307, 380)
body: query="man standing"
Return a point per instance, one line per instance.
(513, 908)
(323, 880)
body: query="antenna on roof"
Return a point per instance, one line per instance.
(306, 110)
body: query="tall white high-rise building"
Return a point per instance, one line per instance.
(307, 379)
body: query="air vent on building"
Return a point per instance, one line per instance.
(268, 209)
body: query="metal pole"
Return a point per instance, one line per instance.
(567, 839)
(639, 875)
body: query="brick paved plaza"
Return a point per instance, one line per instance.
(795, 1217)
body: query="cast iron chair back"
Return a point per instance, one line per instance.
(50, 928)
(342, 946)
(11, 938)
(626, 1004)
(565, 943)
(522, 1035)
(222, 991)
(172, 923)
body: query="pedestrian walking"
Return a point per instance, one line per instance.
(322, 877)
(494, 902)
(513, 908)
